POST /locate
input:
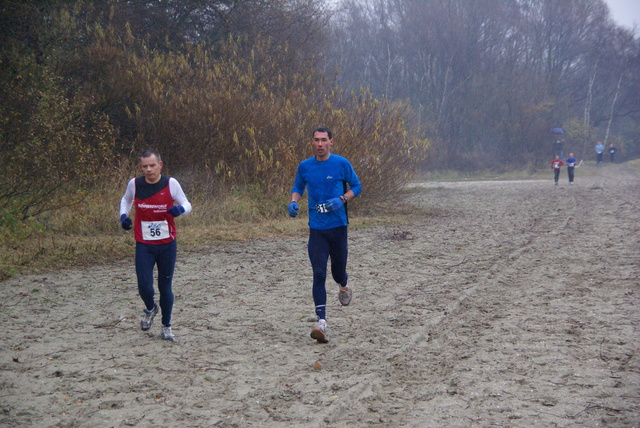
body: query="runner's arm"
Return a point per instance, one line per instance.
(178, 195)
(295, 197)
(127, 200)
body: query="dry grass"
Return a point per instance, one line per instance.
(90, 233)
(52, 251)
(539, 171)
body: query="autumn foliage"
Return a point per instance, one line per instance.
(237, 113)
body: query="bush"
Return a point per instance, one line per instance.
(51, 151)
(239, 116)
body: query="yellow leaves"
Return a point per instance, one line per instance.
(128, 35)
(58, 151)
(263, 91)
(543, 107)
(241, 107)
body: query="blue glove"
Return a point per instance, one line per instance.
(176, 210)
(330, 205)
(125, 222)
(293, 209)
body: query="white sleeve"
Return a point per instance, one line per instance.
(127, 200)
(178, 195)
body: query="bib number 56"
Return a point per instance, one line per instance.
(155, 230)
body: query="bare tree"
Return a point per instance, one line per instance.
(490, 76)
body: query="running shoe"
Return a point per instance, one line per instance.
(319, 333)
(167, 334)
(344, 295)
(147, 319)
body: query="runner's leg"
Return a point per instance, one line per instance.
(145, 261)
(318, 248)
(339, 253)
(166, 266)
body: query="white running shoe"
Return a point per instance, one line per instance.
(345, 295)
(147, 319)
(167, 334)
(319, 333)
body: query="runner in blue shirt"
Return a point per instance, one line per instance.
(599, 150)
(331, 183)
(571, 167)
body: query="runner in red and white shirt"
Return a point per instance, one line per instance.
(556, 164)
(158, 199)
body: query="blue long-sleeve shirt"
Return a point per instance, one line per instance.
(325, 180)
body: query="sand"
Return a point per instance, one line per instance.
(515, 304)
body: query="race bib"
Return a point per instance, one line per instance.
(155, 230)
(322, 208)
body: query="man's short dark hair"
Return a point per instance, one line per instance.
(323, 129)
(150, 152)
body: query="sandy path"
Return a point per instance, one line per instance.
(516, 305)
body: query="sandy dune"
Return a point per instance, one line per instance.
(515, 305)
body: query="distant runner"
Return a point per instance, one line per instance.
(599, 150)
(556, 164)
(571, 166)
(612, 153)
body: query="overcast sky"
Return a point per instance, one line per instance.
(625, 12)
